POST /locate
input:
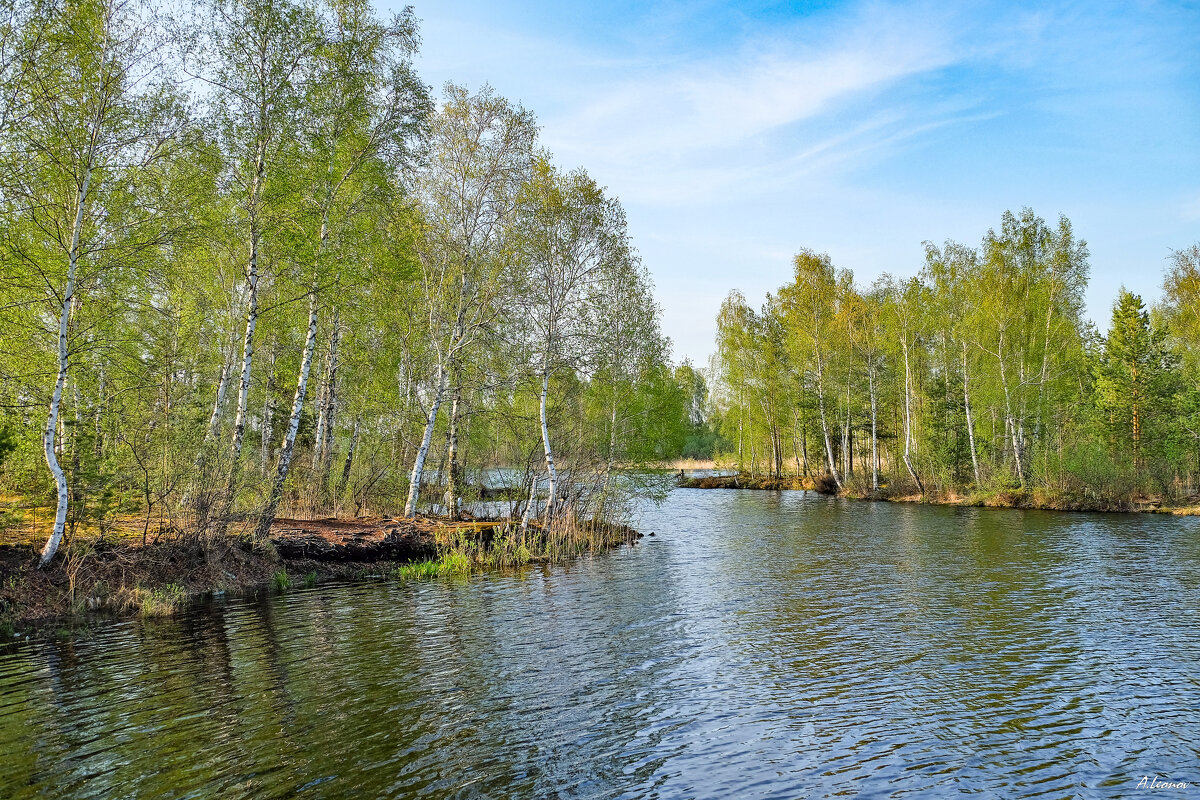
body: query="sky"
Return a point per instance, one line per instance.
(736, 134)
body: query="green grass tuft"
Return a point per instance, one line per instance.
(162, 602)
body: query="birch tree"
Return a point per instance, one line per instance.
(360, 120)
(628, 343)
(480, 153)
(255, 55)
(809, 308)
(572, 235)
(952, 271)
(96, 119)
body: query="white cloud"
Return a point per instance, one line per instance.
(858, 130)
(703, 128)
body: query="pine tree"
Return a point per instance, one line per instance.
(1133, 376)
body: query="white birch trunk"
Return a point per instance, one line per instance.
(329, 407)
(529, 504)
(825, 424)
(908, 417)
(214, 419)
(874, 429)
(970, 421)
(50, 434)
(1009, 423)
(451, 496)
(289, 438)
(319, 433)
(239, 420)
(550, 469)
(418, 470)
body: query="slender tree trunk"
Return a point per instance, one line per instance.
(289, 438)
(741, 417)
(796, 442)
(49, 435)
(98, 445)
(550, 469)
(451, 498)
(214, 419)
(610, 461)
(418, 470)
(239, 420)
(778, 450)
(874, 429)
(349, 460)
(804, 443)
(908, 418)
(847, 453)
(329, 408)
(970, 421)
(825, 425)
(76, 492)
(1009, 423)
(848, 432)
(530, 504)
(1039, 430)
(319, 433)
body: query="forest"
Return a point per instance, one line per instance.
(980, 376)
(252, 265)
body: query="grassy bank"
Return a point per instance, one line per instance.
(749, 482)
(1040, 498)
(102, 575)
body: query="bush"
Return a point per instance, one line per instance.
(1093, 473)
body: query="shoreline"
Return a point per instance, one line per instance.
(1022, 499)
(95, 580)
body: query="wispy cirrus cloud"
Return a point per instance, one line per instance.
(776, 108)
(737, 132)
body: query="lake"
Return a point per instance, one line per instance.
(761, 644)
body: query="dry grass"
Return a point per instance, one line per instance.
(687, 464)
(121, 575)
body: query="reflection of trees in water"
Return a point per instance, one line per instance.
(806, 642)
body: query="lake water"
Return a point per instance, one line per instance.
(762, 644)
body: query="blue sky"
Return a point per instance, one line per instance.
(737, 133)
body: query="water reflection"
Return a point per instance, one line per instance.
(762, 645)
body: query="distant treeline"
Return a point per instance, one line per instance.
(980, 373)
(249, 265)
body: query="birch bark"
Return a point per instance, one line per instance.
(550, 469)
(289, 438)
(50, 432)
(825, 424)
(418, 470)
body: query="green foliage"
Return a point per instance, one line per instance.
(1135, 382)
(977, 375)
(8, 442)
(413, 241)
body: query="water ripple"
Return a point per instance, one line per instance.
(772, 645)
